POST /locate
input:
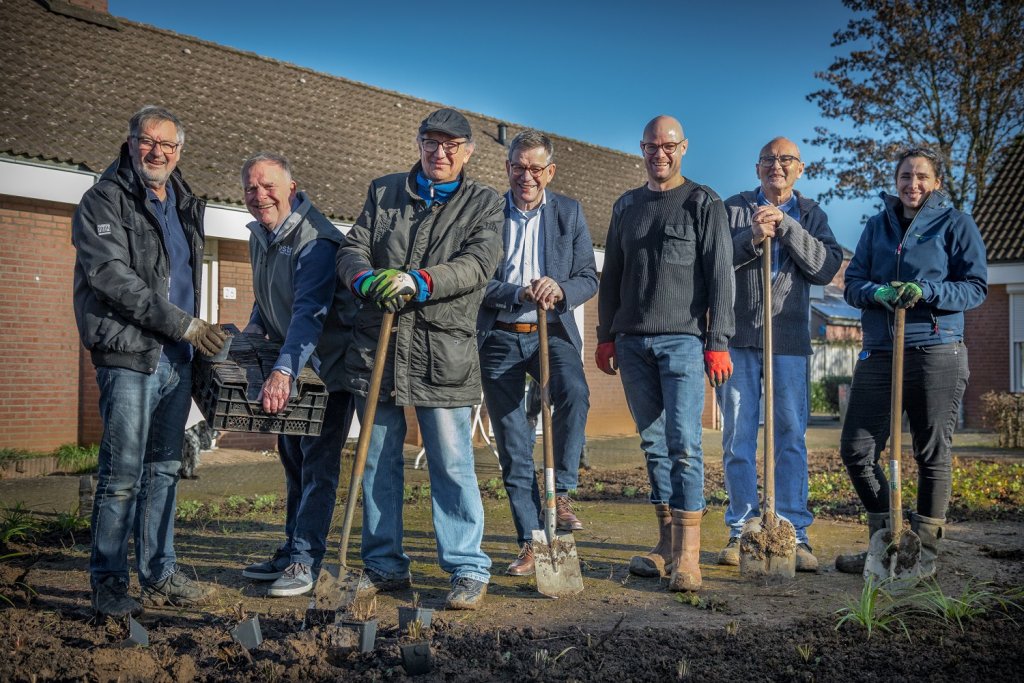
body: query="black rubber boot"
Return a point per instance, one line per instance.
(854, 563)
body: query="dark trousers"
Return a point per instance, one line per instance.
(934, 380)
(312, 466)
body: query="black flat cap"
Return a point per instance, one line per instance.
(447, 121)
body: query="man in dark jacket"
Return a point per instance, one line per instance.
(425, 244)
(549, 261)
(139, 239)
(293, 249)
(804, 253)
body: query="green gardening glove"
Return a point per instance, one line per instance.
(391, 289)
(887, 296)
(907, 294)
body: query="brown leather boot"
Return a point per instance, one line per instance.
(685, 550)
(653, 564)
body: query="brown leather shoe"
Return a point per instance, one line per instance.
(523, 566)
(566, 519)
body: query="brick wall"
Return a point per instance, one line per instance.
(987, 335)
(39, 346)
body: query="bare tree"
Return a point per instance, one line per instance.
(944, 73)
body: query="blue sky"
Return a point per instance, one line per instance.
(736, 73)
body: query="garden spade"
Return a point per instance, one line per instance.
(894, 554)
(335, 585)
(556, 564)
(768, 542)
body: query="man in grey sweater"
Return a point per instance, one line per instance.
(804, 253)
(665, 317)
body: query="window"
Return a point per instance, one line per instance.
(1016, 340)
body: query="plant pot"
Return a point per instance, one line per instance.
(248, 633)
(366, 630)
(416, 657)
(407, 615)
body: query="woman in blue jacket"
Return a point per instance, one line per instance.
(923, 255)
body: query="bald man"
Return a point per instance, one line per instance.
(665, 318)
(804, 253)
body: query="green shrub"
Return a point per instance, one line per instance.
(1004, 412)
(825, 394)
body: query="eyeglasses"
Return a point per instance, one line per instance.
(166, 146)
(449, 146)
(535, 171)
(651, 149)
(785, 160)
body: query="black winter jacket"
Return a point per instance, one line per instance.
(122, 270)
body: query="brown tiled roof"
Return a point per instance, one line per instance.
(70, 86)
(998, 212)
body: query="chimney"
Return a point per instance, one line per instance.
(502, 134)
(92, 11)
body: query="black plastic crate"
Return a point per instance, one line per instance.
(226, 392)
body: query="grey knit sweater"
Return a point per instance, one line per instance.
(812, 257)
(668, 266)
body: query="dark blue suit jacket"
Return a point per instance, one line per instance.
(568, 260)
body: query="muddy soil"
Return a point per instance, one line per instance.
(621, 628)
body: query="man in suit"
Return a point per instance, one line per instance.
(548, 263)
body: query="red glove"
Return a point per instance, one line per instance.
(604, 356)
(718, 366)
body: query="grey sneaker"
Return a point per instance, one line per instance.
(730, 555)
(178, 590)
(466, 593)
(805, 559)
(371, 583)
(110, 599)
(271, 569)
(295, 580)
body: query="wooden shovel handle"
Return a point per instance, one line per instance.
(366, 430)
(769, 393)
(545, 412)
(896, 427)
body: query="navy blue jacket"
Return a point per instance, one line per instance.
(942, 251)
(568, 260)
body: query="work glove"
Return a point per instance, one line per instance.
(718, 366)
(887, 296)
(364, 282)
(604, 356)
(908, 293)
(392, 288)
(208, 339)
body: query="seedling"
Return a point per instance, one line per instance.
(805, 651)
(362, 609)
(874, 610)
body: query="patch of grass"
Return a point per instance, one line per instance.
(874, 610)
(12, 455)
(17, 524)
(78, 459)
(974, 601)
(67, 523)
(264, 502)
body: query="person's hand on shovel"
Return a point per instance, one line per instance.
(887, 296)
(392, 288)
(718, 366)
(907, 294)
(545, 292)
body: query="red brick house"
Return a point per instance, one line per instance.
(71, 80)
(995, 330)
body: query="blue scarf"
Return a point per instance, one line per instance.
(432, 192)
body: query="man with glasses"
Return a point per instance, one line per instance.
(549, 261)
(298, 304)
(804, 253)
(138, 235)
(665, 318)
(424, 246)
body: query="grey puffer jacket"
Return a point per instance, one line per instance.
(432, 360)
(122, 271)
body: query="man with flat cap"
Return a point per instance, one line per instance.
(424, 246)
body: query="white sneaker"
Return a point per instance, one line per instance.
(296, 580)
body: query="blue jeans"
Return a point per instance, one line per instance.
(663, 377)
(140, 453)
(458, 513)
(740, 401)
(311, 467)
(505, 358)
